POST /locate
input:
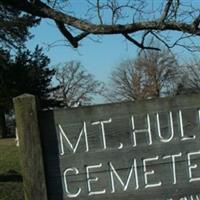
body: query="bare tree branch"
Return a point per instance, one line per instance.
(67, 34)
(42, 10)
(76, 85)
(166, 10)
(73, 40)
(81, 36)
(189, 77)
(150, 75)
(98, 12)
(171, 19)
(196, 22)
(140, 45)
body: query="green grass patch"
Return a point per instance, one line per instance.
(11, 187)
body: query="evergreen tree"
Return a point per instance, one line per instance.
(4, 62)
(27, 72)
(30, 74)
(14, 27)
(14, 31)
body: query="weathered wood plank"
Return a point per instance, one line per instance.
(174, 127)
(30, 148)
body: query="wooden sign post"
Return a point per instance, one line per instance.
(30, 148)
(134, 150)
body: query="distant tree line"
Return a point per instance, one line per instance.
(29, 72)
(153, 74)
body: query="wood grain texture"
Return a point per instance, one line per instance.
(30, 148)
(120, 131)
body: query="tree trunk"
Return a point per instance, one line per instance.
(3, 131)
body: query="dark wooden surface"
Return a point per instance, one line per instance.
(120, 131)
(30, 148)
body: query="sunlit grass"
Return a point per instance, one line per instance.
(10, 180)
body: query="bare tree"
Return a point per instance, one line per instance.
(150, 75)
(76, 85)
(189, 77)
(127, 18)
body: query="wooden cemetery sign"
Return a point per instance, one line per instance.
(135, 150)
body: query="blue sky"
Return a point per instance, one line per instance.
(99, 58)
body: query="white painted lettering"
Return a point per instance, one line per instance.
(90, 180)
(194, 166)
(183, 137)
(148, 130)
(171, 128)
(124, 185)
(103, 130)
(173, 157)
(70, 146)
(69, 194)
(148, 173)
